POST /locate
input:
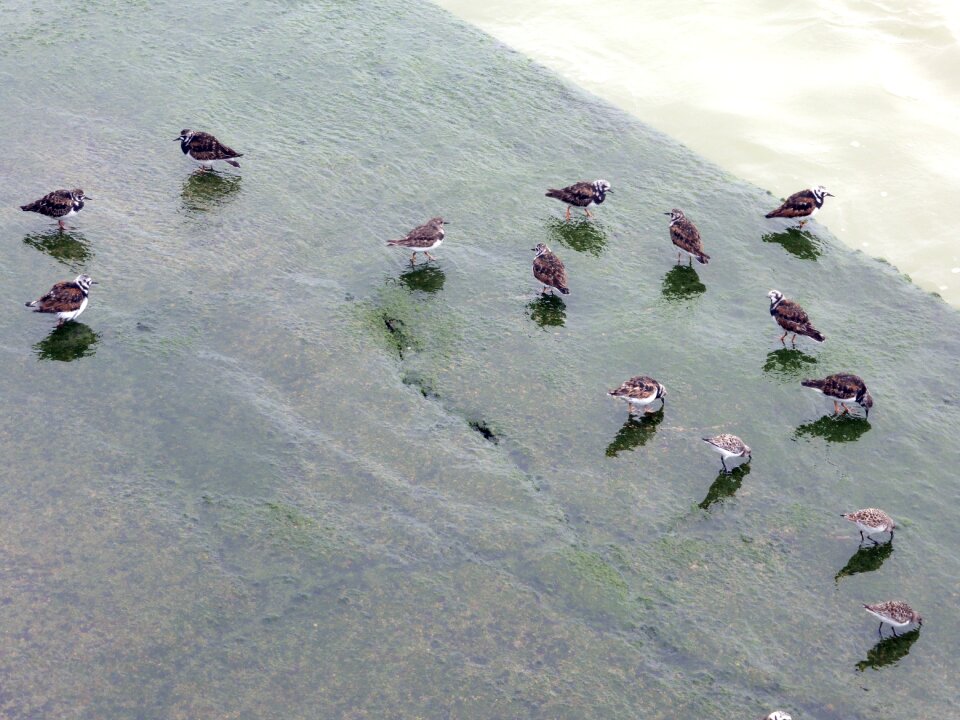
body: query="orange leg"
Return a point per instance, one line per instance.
(587, 211)
(782, 337)
(836, 408)
(568, 213)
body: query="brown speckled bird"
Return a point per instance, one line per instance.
(548, 269)
(791, 317)
(686, 237)
(894, 613)
(641, 392)
(871, 521)
(582, 194)
(803, 204)
(59, 204)
(423, 239)
(843, 389)
(205, 149)
(67, 299)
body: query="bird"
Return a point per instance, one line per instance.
(549, 269)
(777, 715)
(792, 318)
(870, 521)
(843, 389)
(423, 239)
(641, 392)
(728, 446)
(67, 299)
(803, 204)
(204, 148)
(59, 204)
(582, 194)
(894, 613)
(686, 237)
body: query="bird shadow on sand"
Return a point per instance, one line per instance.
(834, 428)
(725, 486)
(797, 242)
(636, 432)
(206, 191)
(426, 278)
(788, 363)
(867, 558)
(579, 233)
(68, 342)
(548, 311)
(69, 247)
(682, 283)
(889, 651)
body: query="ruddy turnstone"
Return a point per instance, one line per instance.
(423, 239)
(777, 715)
(803, 204)
(895, 614)
(728, 446)
(870, 521)
(843, 389)
(791, 317)
(67, 299)
(686, 237)
(204, 149)
(582, 194)
(641, 392)
(549, 269)
(59, 204)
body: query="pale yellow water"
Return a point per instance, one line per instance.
(862, 97)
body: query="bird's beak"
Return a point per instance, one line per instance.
(609, 191)
(533, 249)
(178, 138)
(87, 197)
(94, 282)
(829, 194)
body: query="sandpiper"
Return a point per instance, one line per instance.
(844, 389)
(67, 299)
(803, 204)
(205, 149)
(792, 318)
(871, 521)
(777, 715)
(895, 614)
(686, 237)
(728, 446)
(59, 204)
(641, 392)
(423, 239)
(582, 194)
(549, 269)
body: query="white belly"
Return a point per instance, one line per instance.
(641, 401)
(74, 313)
(887, 620)
(437, 244)
(869, 530)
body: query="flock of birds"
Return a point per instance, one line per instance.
(69, 298)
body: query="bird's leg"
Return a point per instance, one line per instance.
(880, 629)
(431, 257)
(836, 408)
(690, 264)
(861, 537)
(800, 226)
(413, 259)
(894, 631)
(793, 340)
(875, 543)
(846, 410)
(61, 224)
(568, 213)
(587, 211)
(724, 463)
(785, 333)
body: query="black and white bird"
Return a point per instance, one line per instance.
(844, 389)
(792, 318)
(686, 237)
(894, 613)
(549, 269)
(204, 149)
(871, 521)
(582, 194)
(728, 446)
(641, 392)
(67, 299)
(803, 204)
(59, 204)
(423, 238)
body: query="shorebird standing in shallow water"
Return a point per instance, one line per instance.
(204, 149)
(641, 392)
(844, 389)
(67, 299)
(728, 446)
(895, 614)
(59, 204)
(803, 204)
(423, 239)
(777, 715)
(549, 269)
(686, 237)
(871, 521)
(582, 194)
(792, 318)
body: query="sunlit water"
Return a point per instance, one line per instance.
(863, 97)
(277, 472)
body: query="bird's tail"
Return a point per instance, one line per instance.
(703, 258)
(773, 213)
(816, 334)
(553, 193)
(564, 290)
(233, 162)
(392, 242)
(815, 384)
(32, 303)
(30, 207)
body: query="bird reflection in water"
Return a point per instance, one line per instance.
(866, 559)
(206, 191)
(425, 278)
(725, 486)
(843, 428)
(682, 283)
(636, 432)
(548, 311)
(71, 341)
(788, 363)
(68, 246)
(579, 234)
(799, 243)
(889, 651)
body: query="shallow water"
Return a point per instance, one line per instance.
(275, 470)
(862, 97)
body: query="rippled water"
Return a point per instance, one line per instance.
(859, 95)
(276, 471)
